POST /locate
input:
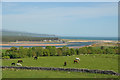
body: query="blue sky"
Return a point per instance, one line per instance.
(93, 19)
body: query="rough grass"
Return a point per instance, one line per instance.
(93, 61)
(13, 73)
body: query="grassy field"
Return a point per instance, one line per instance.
(96, 61)
(92, 61)
(13, 73)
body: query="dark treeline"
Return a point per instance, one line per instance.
(26, 38)
(22, 52)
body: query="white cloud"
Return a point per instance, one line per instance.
(64, 13)
(35, 17)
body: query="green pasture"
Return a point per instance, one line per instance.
(91, 61)
(16, 73)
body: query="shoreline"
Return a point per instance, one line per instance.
(32, 44)
(67, 40)
(56, 47)
(92, 41)
(41, 44)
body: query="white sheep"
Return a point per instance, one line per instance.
(77, 59)
(18, 64)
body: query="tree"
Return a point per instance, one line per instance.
(59, 51)
(46, 52)
(6, 57)
(82, 51)
(14, 49)
(98, 51)
(39, 51)
(77, 51)
(117, 51)
(3, 54)
(50, 50)
(72, 51)
(65, 51)
(29, 53)
(53, 51)
(23, 52)
(110, 51)
(68, 52)
(89, 50)
(102, 47)
(33, 48)
(33, 53)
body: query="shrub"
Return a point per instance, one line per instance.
(6, 57)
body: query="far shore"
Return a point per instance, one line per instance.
(66, 40)
(32, 44)
(36, 43)
(56, 47)
(91, 41)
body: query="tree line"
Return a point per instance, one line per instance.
(22, 52)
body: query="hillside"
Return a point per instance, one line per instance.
(11, 36)
(16, 33)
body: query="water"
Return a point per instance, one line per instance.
(71, 44)
(91, 38)
(36, 43)
(86, 38)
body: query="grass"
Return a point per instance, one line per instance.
(13, 73)
(93, 61)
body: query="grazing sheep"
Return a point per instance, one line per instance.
(35, 57)
(20, 61)
(18, 64)
(65, 63)
(12, 63)
(77, 59)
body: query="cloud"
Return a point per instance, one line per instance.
(53, 15)
(56, 19)
(96, 11)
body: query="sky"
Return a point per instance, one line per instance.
(82, 19)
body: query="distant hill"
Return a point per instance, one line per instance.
(13, 36)
(16, 33)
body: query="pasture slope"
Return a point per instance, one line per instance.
(92, 61)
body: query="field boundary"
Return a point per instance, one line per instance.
(64, 69)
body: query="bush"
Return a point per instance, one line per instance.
(6, 57)
(53, 51)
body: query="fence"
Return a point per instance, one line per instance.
(65, 69)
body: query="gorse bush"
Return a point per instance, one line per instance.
(22, 52)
